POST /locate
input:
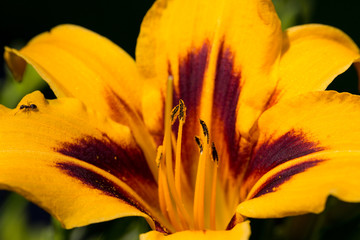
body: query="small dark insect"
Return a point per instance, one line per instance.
(28, 108)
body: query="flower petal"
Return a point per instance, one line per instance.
(76, 164)
(308, 148)
(240, 232)
(313, 55)
(79, 63)
(221, 56)
(189, 40)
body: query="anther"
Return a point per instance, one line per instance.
(205, 130)
(214, 153)
(174, 113)
(159, 155)
(198, 142)
(182, 112)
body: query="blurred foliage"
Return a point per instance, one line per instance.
(20, 219)
(293, 12)
(12, 91)
(339, 220)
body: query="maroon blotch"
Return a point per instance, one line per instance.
(283, 176)
(191, 78)
(291, 145)
(226, 95)
(124, 162)
(96, 181)
(192, 69)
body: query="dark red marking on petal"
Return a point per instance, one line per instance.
(191, 77)
(118, 106)
(225, 99)
(192, 69)
(96, 181)
(292, 145)
(108, 187)
(237, 218)
(124, 162)
(283, 176)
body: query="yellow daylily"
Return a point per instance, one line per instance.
(222, 117)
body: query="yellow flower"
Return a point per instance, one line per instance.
(222, 117)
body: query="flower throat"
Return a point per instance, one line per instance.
(198, 213)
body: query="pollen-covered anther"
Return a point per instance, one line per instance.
(174, 114)
(182, 110)
(214, 153)
(199, 143)
(205, 131)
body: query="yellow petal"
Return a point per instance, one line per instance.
(221, 56)
(77, 165)
(307, 191)
(208, 49)
(79, 63)
(308, 148)
(312, 56)
(240, 232)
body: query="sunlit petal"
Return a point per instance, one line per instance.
(308, 149)
(312, 56)
(239, 232)
(79, 63)
(68, 159)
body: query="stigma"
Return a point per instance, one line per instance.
(199, 211)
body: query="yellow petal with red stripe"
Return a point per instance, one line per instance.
(82, 64)
(210, 47)
(308, 148)
(221, 55)
(240, 232)
(77, 165)
(79, 63)
(312, 56)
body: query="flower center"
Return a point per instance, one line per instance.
(198, 213)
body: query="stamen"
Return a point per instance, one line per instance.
(165, 182)
(214, 153)
(215, 158)
(182, 112)
(174, 205)
(168, 200)
(200, 191)
(174, 114)
(198, 142)
(178, 166)
(205, 130)
(171, 177)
